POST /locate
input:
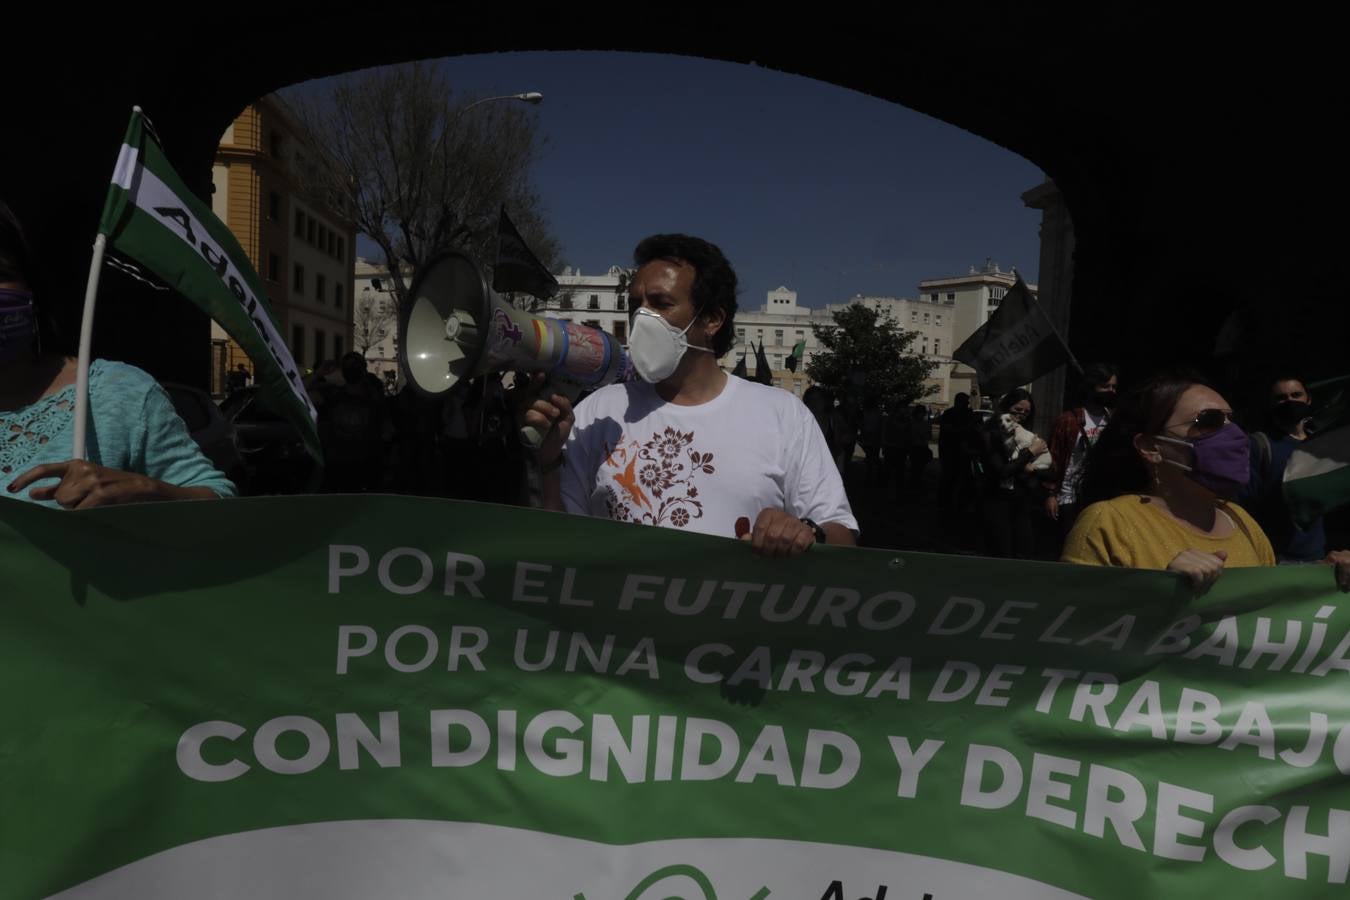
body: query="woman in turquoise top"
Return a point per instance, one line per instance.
(138, 449)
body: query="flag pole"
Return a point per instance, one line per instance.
(86, 339)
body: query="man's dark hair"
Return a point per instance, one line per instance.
(1286, 376)
(714, 279)
(1093, 375)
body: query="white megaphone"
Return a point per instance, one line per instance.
(453, 328)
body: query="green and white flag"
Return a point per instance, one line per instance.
(1317, 479)
(152, 218)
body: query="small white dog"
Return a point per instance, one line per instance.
(1016, 439)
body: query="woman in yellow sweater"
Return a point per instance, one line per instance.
(1159, 482)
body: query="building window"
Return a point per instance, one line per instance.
(934, 297)
(298, 343)
(938, 319)
(342, 249)
(594, 302)
(621, 331)
(778, 337)
(914, 315)
(740, 335)
(320, 287)
(925, 318)
(621, 303)
(332, 244)
(937, 346)
(298, 279)
(337, 295)
(320, 342)
(310, 225)
(274, 206)
(951, 296)
(801, 335)
(299, 223)
(565, 302)
(273, 267)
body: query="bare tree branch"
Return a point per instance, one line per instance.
(422, 174)
(374, 319)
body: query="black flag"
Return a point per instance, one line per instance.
(763, 374)
(740, 370)
(518, 270)
(1018, 344)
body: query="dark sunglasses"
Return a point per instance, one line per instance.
(1207, 422)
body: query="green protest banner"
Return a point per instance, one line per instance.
(352, 697)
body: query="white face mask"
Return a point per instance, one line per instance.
(656, 347)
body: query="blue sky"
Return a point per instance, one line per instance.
(805, 184)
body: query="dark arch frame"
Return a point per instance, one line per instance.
(1196, 156)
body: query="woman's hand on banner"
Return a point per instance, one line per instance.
(1203, 569)
(1341, 560)
(84, 484)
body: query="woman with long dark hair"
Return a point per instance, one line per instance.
(138, 449)
(1158, 487)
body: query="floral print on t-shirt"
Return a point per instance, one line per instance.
(653, 481)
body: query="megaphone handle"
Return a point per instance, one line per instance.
(531, 436)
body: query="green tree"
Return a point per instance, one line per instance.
(867, 357)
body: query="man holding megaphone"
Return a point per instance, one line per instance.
(687, 446)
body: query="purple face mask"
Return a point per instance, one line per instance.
(18, 324)
(1220, 460)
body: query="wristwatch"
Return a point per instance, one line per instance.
(820, 532)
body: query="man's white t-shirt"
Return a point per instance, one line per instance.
(633, 457)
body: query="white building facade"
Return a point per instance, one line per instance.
(974, 297)
(593, 300)
(375, 319)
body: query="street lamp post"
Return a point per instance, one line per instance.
(534, 98)
(531, 97)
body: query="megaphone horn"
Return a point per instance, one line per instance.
(455, 328)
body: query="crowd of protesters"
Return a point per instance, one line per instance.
(1150, 480)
